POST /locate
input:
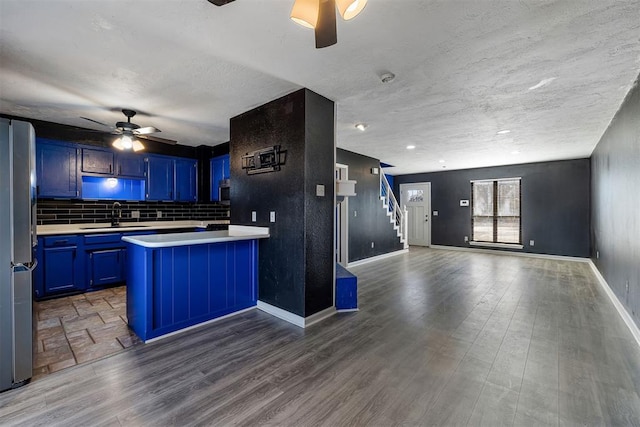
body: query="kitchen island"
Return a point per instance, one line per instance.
(180, 280)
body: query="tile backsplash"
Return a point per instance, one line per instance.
(96, 211)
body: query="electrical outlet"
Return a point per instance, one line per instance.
(532, 242)
(372, 245)
(466, 238)
(272, 216)
(158, 214)
(320, 190)
(254, 216)
(135, 214)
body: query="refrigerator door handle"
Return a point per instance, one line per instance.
(24, 266)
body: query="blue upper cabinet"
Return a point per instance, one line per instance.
(57, 169)
(130, 165)
(186, 182)
(97, 161)
(219, 171)
(160, 178)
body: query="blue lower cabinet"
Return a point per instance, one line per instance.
(172, 288)
(105, 267)
(61, 270)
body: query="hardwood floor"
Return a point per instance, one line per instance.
(442, 338)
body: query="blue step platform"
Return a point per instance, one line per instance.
(346, 290)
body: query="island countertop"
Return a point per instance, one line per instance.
(235, 232)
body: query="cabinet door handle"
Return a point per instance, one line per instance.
(119, 169)
(110, 167)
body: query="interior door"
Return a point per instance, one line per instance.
(417, 198)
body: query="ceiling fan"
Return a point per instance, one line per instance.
(319, 15)
(131, 133)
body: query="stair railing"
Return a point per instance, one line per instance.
(399, 216)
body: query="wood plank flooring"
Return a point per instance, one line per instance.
(442, 338)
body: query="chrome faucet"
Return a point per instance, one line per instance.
(116, 214)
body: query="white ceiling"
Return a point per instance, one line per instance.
(464, 71)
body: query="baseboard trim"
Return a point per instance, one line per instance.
(626, 317)
(522, 254)
(302, 322)
(199, 325)
(347, 310)
(377, 258)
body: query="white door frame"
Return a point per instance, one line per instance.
(342, 173)
(429, 218)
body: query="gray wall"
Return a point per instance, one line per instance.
(371, 223)
(555, 204)
(296, 263)
(615, 227)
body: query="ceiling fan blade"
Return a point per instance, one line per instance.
(95, 121)
(326, 32)
(145, 131)
(156, 139)
(220, 2)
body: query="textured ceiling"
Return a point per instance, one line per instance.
(465, 71)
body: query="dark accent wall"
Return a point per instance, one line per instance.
(615, 183)
(555, 204)
(371, 224)
(96, 211)
(296, 263)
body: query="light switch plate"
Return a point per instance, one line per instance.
(253, 216)
(320, 190)
(272, 216)
(435, 213)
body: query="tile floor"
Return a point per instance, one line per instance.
(79, 329)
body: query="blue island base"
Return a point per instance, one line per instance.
(173, 288)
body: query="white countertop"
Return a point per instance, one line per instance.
(235, 232)
(48, 230)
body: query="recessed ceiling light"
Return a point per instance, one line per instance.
(361, 126)
(515, 153)
(542, 83)
(441, 161)
(410, 147)
(504, 132)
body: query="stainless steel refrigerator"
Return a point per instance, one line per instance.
(17, 241)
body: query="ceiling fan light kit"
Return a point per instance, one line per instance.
(305, 13)
(131, 133)
(320, 15)
(349, 9)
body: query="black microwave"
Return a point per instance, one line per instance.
(223, 191)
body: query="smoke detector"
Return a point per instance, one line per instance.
(387, 77)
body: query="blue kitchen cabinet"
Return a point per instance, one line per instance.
(186, 180)
(105, 267)
(61, 265)
(160, 178)
(219, 170)
(57, 169)
(98, 161)
(130, 165)
(168, 288)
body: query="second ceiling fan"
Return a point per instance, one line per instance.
(320, 15)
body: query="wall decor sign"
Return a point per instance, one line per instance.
(265, 160)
